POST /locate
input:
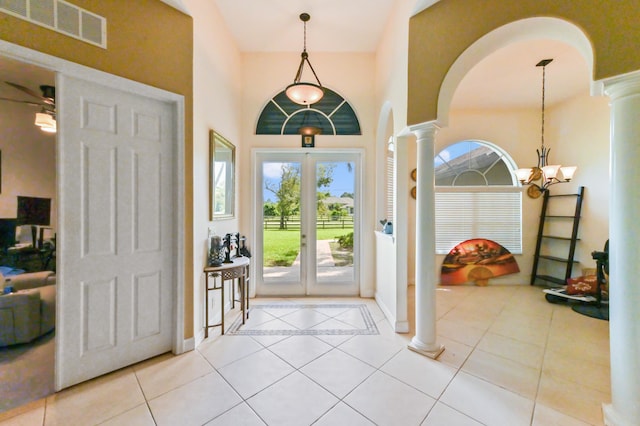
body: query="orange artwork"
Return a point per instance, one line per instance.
(477, 260)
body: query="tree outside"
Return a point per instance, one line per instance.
(282, 208)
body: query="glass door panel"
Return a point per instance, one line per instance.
(307, 223)
(281, 222)
(335, 213)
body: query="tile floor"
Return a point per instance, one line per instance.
(511, 359)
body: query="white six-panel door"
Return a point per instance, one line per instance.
(116, 254)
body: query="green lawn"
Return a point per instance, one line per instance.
(281, 247)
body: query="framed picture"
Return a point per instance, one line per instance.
(308, 141)
(222, 157)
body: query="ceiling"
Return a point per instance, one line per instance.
(26, 75)
(335, 25)
(508, 78)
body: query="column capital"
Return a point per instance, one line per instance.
(622, 85)
(426, 130)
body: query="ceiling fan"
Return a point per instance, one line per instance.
(46, 118)
(47, 99)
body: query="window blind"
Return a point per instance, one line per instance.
(389, 188)
(462, 215)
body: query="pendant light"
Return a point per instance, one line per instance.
(304, 93)
(46, 121)
(547, 174)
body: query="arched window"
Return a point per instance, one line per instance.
(477, 196)
(332, 115)
(473, 163)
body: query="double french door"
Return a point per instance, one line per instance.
(307, 222)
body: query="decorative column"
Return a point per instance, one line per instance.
(624, 251)
(424, 342)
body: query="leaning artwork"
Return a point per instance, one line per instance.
(477, 261)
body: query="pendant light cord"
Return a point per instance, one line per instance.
(304, 49)
(305, 55)
(543, 81)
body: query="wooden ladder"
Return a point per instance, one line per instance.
(545, 218)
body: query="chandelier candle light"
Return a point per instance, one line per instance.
(548, 174)
(301, 92)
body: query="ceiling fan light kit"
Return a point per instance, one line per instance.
(46, 122)
(300, 92)
(46, 118)
(546, 173)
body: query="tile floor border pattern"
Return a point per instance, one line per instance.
(369, 329)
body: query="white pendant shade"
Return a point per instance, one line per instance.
(46, 122)
(568, 172)
(304, 93)
(550, 172)
(523, 174)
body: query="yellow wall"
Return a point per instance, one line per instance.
(148, 42)
(439, 34)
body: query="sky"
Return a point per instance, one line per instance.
(343, 179)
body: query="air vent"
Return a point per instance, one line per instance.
(62, 17)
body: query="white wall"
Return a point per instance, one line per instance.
(349, 74)
(391, 109)
(217, 106)
(28, 159)
(579, 132)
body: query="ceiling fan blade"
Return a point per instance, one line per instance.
(36, 104)
(24, 89)
(46, 100)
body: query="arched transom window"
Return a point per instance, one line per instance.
(473, 163)
(332, 115)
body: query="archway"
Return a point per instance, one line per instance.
(623, 90)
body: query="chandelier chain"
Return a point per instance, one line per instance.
(543, 84)
(305, 36)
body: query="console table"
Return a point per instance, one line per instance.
(215, 276)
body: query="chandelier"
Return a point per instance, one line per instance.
(301, 92)
(543, 172)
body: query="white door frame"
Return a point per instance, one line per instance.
(257, 203)
(72, 69)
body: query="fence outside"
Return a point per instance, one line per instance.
(293, 222)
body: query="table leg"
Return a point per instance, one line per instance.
(206, 305)
(247, 284)
(222, 304)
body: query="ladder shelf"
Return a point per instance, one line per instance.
(545, 235)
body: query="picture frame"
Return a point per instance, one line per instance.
(221, 177)
(308, 141)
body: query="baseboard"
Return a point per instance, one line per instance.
(610, 416)
(387, 313)
(189, 344)
(401, 326)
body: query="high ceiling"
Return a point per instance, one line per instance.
(507, 78)
(335, 25)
